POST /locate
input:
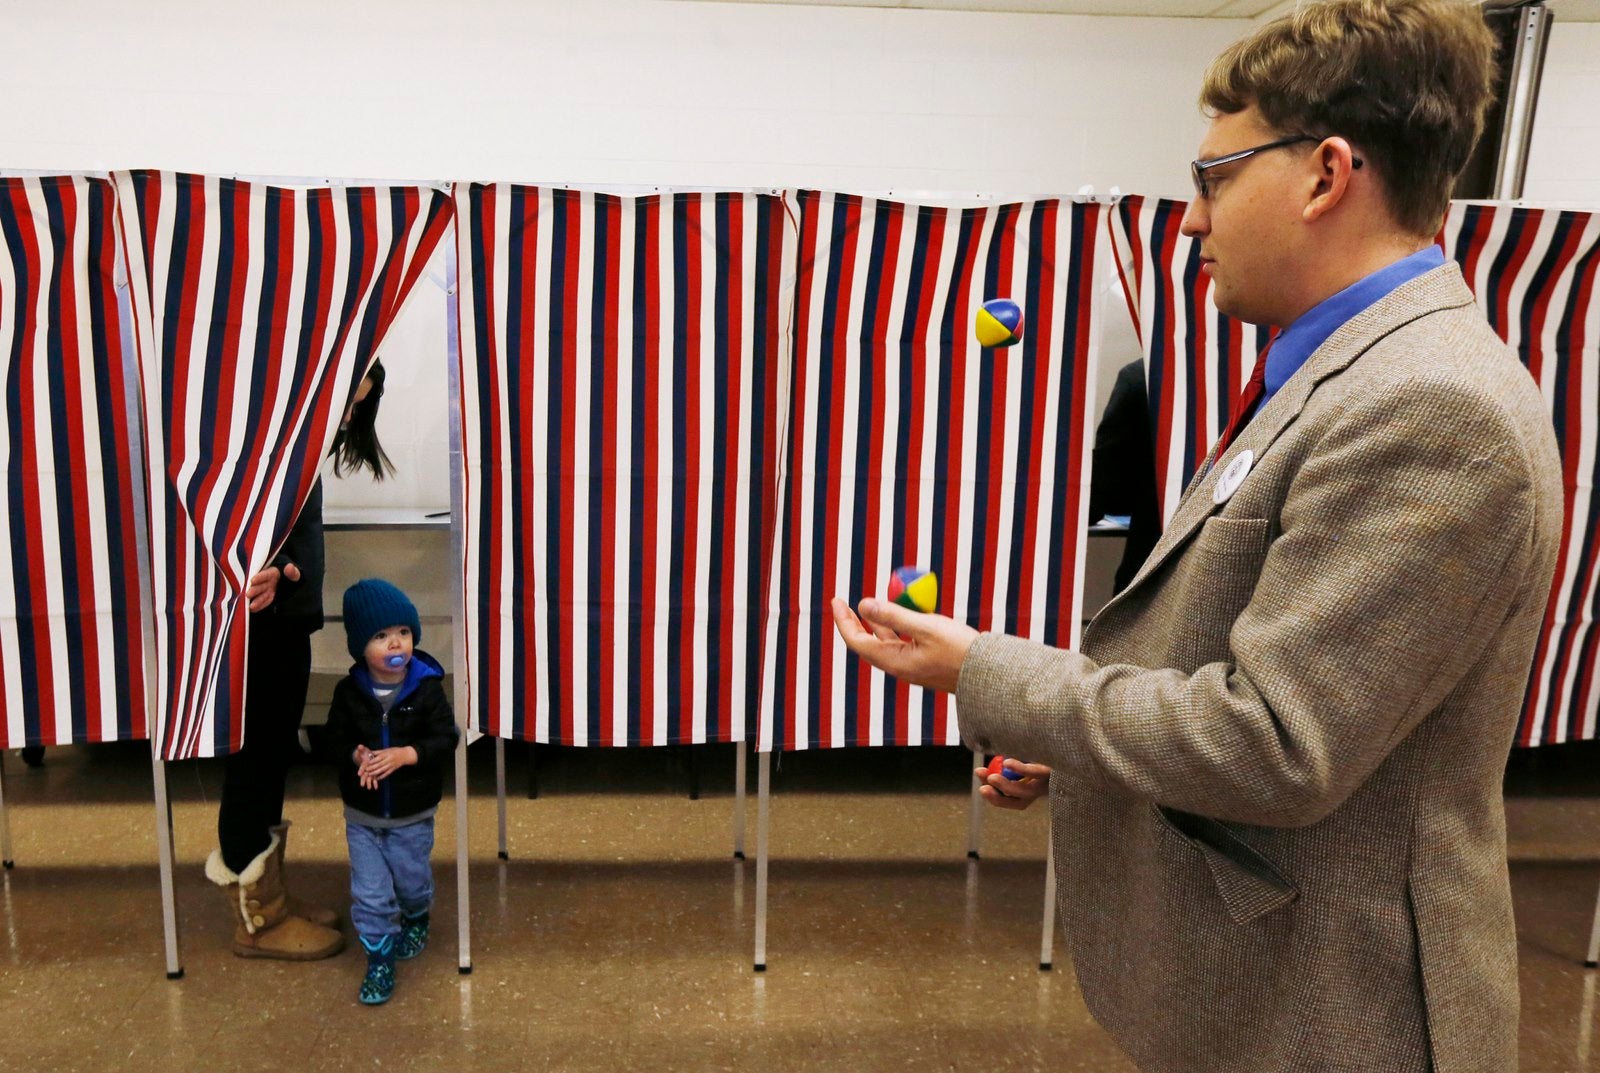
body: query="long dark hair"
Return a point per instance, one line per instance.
(356, 443)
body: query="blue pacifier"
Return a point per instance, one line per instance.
(394, 662)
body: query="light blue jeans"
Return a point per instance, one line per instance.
(389, 875)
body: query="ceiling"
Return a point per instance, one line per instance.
(1564, 10)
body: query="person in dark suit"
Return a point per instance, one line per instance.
(1123, 480)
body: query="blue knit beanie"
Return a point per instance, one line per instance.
(371, 605)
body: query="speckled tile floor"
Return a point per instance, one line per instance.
(620, 933)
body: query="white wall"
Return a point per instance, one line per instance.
(609, 93)
(1564, 160)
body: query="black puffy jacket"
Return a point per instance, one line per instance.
(420, 717)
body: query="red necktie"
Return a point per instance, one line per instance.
(1254, 388)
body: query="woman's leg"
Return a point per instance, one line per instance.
(275, 699)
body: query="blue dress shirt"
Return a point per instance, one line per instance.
(1313, 327)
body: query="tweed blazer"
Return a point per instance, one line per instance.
(1276, 806)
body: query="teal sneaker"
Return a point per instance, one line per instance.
(378, 985)
(413, 936)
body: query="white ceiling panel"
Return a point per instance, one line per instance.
(1564, 10)
(1241, 9)
(1145, 8)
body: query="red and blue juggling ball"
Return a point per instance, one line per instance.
(997, 766)
(999, 323)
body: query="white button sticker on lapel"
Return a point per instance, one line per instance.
(1233, 477)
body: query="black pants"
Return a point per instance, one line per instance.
(274, 700)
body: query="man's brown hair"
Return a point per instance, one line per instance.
(1407, 82)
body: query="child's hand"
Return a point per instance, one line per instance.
(361, 754)
(381, 763)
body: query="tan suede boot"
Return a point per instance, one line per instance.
(265, 928)
(297, 908)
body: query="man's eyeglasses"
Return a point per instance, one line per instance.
(1198, 168)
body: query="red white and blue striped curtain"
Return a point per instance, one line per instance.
(71, 632)
(907, 443)
(620, 364)
(257, 309)
(1196, 359)
(1534, 271)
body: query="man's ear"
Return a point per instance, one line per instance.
(1333, 163)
